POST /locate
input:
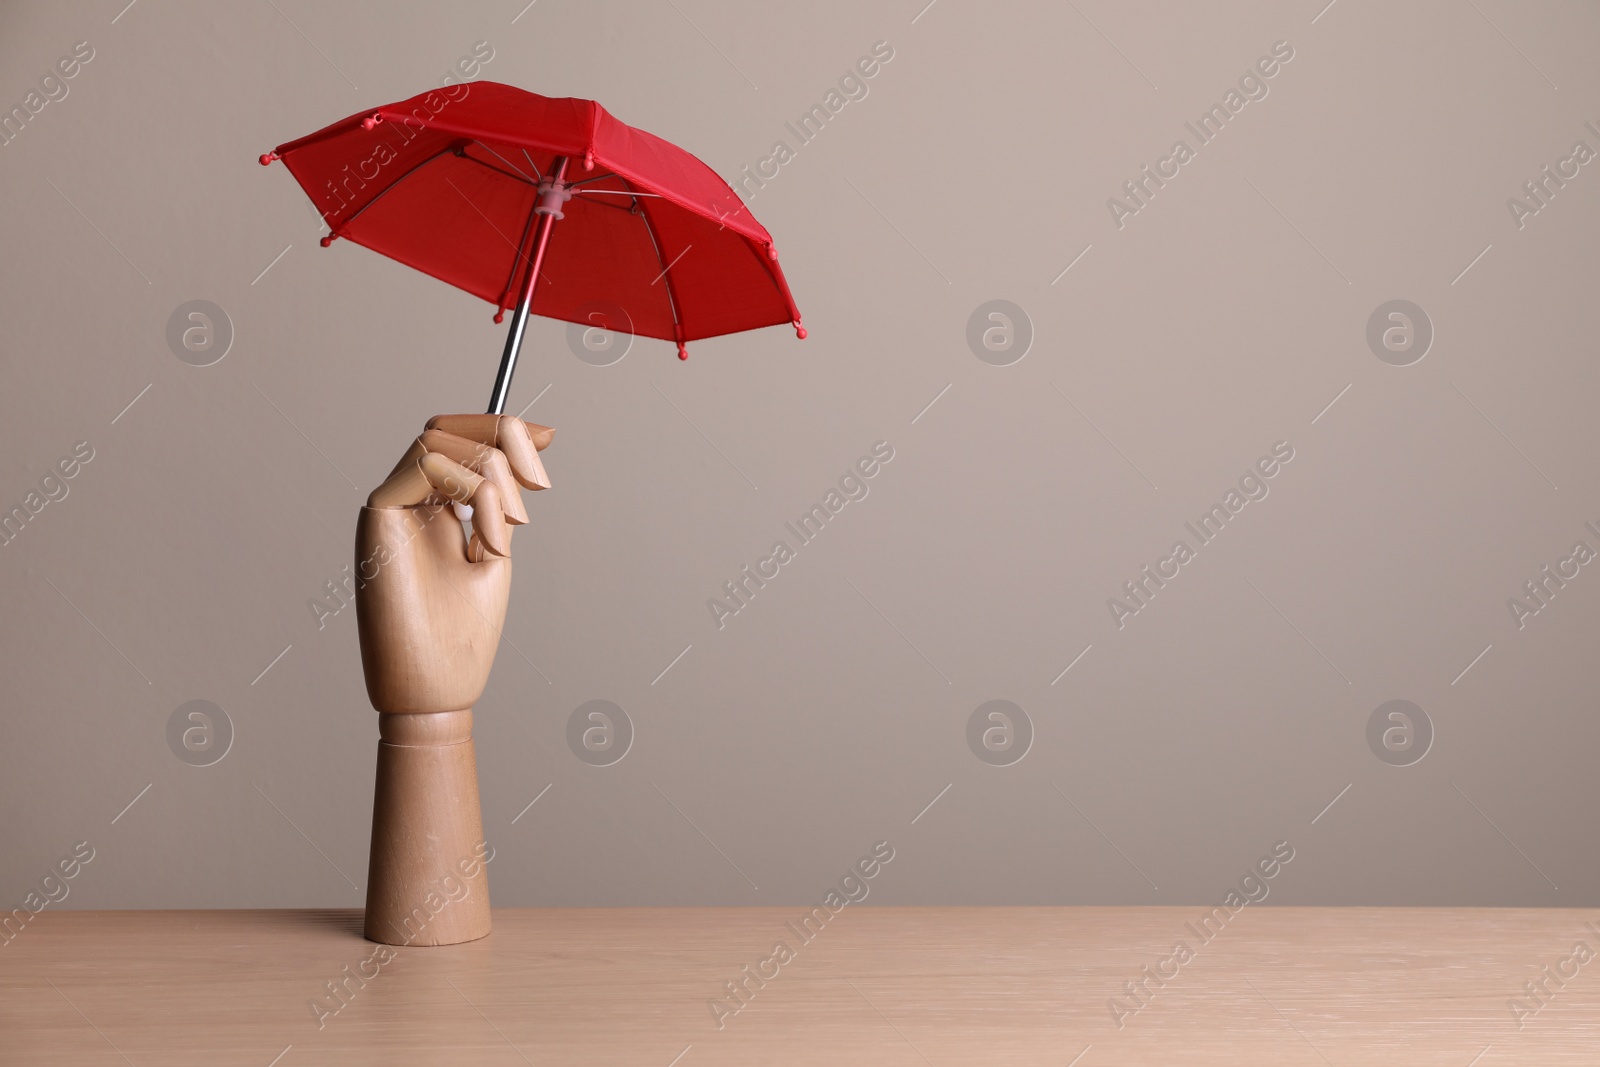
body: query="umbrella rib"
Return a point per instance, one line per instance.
(516, 261)
(627, 189)
(513, 174)
(612, 204)
(385, 190)
(502, 159)
(518, 257)
(532, 164)
(672, 296)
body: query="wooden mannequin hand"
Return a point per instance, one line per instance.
(429, 604)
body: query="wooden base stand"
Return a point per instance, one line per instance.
(426, 883)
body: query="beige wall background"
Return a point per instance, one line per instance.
(1168, 354)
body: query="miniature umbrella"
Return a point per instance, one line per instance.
(467, 183)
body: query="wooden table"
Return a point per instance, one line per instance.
(879, 986)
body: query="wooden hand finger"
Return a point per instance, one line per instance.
(479, 427)
(516, 441)
(487, 461)
(406, 487)
(520, 441)
(413, 454)
(449, 478)
(539, 435)
(489, 522)
(478, 552)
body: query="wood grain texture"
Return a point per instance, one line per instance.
(429, 619)
(1414, 987)
(425, 880)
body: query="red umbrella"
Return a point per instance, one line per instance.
(467, 182)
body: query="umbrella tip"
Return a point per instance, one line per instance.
(800, 331)
(371, 120)
(326, 241)
(499, 316)
(268, 157)
(683, 353)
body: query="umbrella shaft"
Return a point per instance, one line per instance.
(519, 321)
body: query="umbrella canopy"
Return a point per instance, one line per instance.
(450, 181)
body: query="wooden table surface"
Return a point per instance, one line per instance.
(881, 986)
